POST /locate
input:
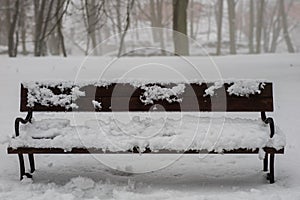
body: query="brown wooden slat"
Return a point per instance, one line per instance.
(26, 150)
(124, 97)
(189, 104)
(191, 90)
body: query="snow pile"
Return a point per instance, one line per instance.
(156, 92)
(81, 183)
(188, 132)
(96, 104)
(46, 128)
(76, 188)
(41, 94)
(245, 87)
(211, 90)
(238, 87)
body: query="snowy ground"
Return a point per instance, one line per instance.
(190, 176)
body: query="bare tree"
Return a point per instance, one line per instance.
(195, 10)
(118, 11)
(156, 19)
(259, 24)
(265, 23)
(240, 21)
(94, 13)
(181, 43)
(47, 20)
(251, 26)
(22, 24)
(92, 9)
(271, 28)
(275, 35)
(219, 13)
(156, 13)
(13, 34)
(39, 26)
(232, 25)
(192, 19)
(209, 20)
(59, 13)
(130, 4)
(285, 27)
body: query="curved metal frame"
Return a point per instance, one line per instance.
(269, 121)
(23, 121)
(270, 175)
(19, 120)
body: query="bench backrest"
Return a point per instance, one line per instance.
(125, 97)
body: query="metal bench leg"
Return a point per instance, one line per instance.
(31, 162)
(265, 162)
(271, 175)
(22, 166)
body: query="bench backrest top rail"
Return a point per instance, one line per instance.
(122, 97)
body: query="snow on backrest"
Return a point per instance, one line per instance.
(231, 96)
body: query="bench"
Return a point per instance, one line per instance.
(231, 96)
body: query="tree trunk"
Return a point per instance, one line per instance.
(259, 24)
(240, 25)
(232, 25)
(276, 32)
(251, 26)
(266, 37)
(42, 44)
(39, 11)
(219, 14)
(154, 20)
(60, 4)
(159, 5)
(8, 25)
(209, 21)
(129, 7)
(11, 26)
(285, 28)
(91, 12)
(192, 19)
(181, 42)
(118, 10)
(23, 27)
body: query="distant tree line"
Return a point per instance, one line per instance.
(263, 24)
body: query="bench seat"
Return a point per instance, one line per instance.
(199, 134)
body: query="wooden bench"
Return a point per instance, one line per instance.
(123, 97)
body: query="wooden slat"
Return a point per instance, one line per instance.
(26, 150)
(123, 104)
(124, 97)
(191, 90)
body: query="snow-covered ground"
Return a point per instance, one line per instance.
(168, 176)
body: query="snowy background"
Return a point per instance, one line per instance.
(190, 176)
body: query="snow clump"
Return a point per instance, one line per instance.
(238, 87)
(156, 92)
(40, 93)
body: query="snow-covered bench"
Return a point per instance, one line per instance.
(189, 134)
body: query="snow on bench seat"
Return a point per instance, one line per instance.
(188, 132)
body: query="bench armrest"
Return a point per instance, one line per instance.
(23, 121)
(269, 121)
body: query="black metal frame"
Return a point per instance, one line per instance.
(20, 155)
(270, 175)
